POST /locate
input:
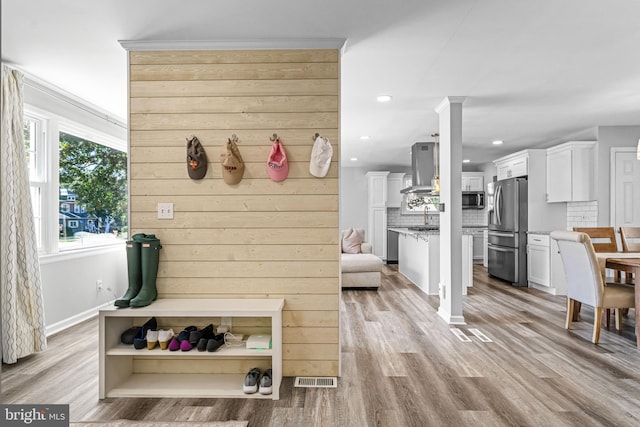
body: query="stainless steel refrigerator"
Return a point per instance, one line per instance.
(507, 249)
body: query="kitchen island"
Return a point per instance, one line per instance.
(419, 258)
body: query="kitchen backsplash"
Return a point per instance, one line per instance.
(469, 217)
(582, 214)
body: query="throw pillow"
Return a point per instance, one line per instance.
(351, 241)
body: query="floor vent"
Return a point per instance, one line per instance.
(316, 382)
(481, 336)
(461, 335)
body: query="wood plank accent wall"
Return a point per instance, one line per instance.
(257, 239)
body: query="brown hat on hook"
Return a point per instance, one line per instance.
(196, 158)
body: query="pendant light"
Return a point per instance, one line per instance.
(435, 181)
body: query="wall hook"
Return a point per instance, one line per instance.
(314, 137)
(274, 137)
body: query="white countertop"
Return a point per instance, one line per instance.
(405, 230)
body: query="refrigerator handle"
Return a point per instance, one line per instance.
(498, 194)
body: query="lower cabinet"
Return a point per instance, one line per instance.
(127, 372)
(544, 265)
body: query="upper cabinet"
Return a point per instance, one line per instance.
(570, 172)
(472, 181)
(395, 183)
(512, 166)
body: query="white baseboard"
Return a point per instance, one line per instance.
(74, 320)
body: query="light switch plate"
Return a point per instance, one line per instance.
(165, 210)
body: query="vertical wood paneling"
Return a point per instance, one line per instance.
(257, 238)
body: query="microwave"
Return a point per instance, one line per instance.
(473, 199)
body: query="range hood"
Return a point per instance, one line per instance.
(424, 156)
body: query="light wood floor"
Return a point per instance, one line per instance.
(401, 367)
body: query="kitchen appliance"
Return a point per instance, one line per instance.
(473, 200)
(507, 246)
(423, 168)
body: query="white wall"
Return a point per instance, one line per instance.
(69, 284)
(608, 138)
(353, 198)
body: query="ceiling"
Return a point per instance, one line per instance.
(535, 73)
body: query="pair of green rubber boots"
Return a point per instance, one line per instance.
(143, 256)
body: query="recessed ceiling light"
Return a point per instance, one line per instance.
(384, 98)
(466, 161)
(354, 159)
(364, 137)
(497, 142)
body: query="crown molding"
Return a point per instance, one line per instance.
(241, 44)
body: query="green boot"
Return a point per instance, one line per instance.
(150, 259)
(134, 270)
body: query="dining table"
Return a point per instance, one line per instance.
(628, 264)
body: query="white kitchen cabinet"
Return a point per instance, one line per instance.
(377, 212)
(570, 172)
(478, 245)
(544, 265)
(472, 181)
(395, 183)
(512, 166)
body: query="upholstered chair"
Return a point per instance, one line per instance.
(585, 281)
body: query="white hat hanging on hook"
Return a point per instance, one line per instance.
(320, 156)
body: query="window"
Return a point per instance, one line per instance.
(34, 148)
(94, 177)
(78, 181)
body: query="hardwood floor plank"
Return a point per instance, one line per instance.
(401, 366)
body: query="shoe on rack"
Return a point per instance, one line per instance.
(205, 335)
(250, 385)
(215, 343)
(152, 339)
(174, 345)
(139, 343)
(130, 334)
(183, 338)
(164, 337)
(266, 382)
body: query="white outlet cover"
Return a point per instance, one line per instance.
(165, 210)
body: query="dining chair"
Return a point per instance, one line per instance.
(585, 283)
(605, 241)
(630, 237)
(605, 238)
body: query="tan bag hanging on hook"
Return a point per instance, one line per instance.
(231, 162)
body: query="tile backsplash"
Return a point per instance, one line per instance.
(469, 217)
(582, 214)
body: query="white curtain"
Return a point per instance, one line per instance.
(23, 327)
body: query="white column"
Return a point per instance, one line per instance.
(450, 129)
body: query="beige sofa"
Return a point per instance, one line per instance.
(361, 270)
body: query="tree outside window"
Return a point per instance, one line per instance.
(92, 177)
